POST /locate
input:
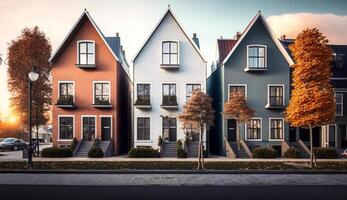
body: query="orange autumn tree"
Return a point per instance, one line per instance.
(198, 114)
(237, 108)
(312, 100)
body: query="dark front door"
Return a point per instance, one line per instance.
(106, 128)
(316, 135)
(343, 136)
(292, 134)
(232, 129)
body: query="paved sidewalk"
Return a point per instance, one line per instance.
(173, 179)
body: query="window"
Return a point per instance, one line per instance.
(276, 129)
(256, 57)
(66, 128)
(170, 53)
(102, 93)
(88, 128)
(275, 96)
(339, 104)
(190, 88)
(253, 129)
(66, 93)
(169, 128)
(143, 128)
(143, 94)
(237, 88)
(86, 52)
(338, 58)
(169, 94)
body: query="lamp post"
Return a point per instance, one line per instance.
(33, 76)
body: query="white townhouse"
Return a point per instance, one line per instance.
(167, 68)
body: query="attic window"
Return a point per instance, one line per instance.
(86, 52)
(256, 57)
(338, 58)
(170, 53)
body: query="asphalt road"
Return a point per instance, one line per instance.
(173, 186)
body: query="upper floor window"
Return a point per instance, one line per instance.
(339, 104)
(190, 88)
(275, 96)
(66, 92)
(237, 88)
(338, 58)
(102, 93)
(170, 53)
(169, 95)
(86, 52)
(143, 94)
(256, 57)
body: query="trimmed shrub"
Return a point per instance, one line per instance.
(325, 152)
(74, 143)
(143, 153)
(181, 153)
(291, 153)
(54, 152)
(160, 141)
(95, 152)
(264, 152)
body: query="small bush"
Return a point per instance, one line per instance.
(74, 143)
(54, 152)
(264, 152)
(291, 153)
(160, 141)
(325, 152)
(143, 153)
(181, 153)
(95, 152)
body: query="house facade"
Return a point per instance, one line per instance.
(91, 91)
(167, 68)
(256, 64)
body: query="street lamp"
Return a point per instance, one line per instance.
(33, 76)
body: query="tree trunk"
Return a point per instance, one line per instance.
(200, 156)
(238, 135)
(202, 146)
(311, 148)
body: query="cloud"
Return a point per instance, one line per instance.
(331, 25)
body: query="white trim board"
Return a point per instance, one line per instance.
(273, 36)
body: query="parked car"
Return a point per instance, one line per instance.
(344, 153)
(12, 144)
(1, 139)
(34, 140)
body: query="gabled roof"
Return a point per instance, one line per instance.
(224, 47)
(271, 33)
(169, 11)
(84, 16)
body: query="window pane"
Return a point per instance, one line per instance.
(261, 63)
(83, 47)
(261, 51)
(62, 89)
(166, 47)
(98, 89)
(338, 98)
(105, 89)
(70, 89)
(166, 90)
(90, 48)
(174, 59)
(174, 48)
(83, 59)
(166, 58)
(172, 90)
(91, 59)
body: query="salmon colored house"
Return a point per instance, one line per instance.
(91, 94)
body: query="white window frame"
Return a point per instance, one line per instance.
(261, 130)
(268, 94)
(234, 84)
(96, 127)
(276, 118)
(150, 128)
(78, 51)
(106, 116)
(178, 52)
(73, 129)
(339, 94)
(265, 60)
(193, 83)
(109, 90)
(144, 83)
(73, 89)
(162, 90)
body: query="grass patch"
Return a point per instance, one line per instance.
(183, 165)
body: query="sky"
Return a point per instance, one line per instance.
(135, 19)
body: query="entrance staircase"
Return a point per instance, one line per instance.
(240, 153)
(106, 147)
(193, 149)
(169, 149)
(83, 148)
(302, 152)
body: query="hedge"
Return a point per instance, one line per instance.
(325, 152)
(95, 152)
(291, 153)
(183, 165)
(143, 153)
(264, 152)
(55, 152)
